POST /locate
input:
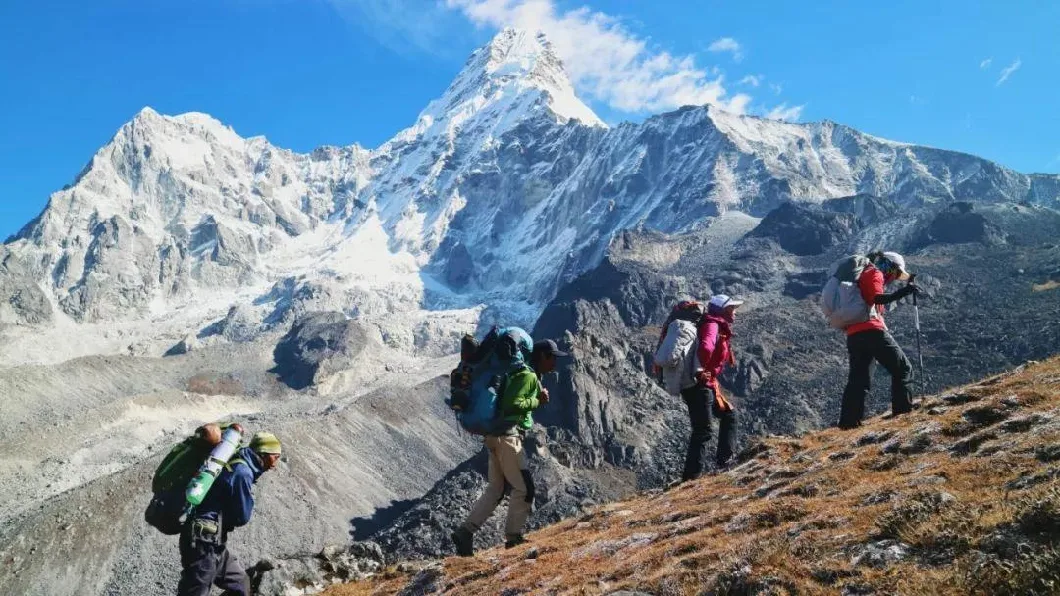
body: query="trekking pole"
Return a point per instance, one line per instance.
(916, 323)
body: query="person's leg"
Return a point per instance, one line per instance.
(494, 494)
(521, 500)
(890, 355)
(859, 379)
(230, 575)
(199, 566)
(699, 419)
(726, 435)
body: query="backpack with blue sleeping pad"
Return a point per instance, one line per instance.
(478, 382)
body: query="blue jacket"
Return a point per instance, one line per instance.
(231, 495)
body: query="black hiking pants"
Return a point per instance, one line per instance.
(866, 347)
(701, 407)
(206, 561)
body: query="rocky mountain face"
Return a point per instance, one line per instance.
(189, 274)
(505, 189)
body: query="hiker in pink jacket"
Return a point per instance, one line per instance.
(705, 398)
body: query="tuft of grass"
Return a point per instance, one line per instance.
(905, 517)
(1031, 572)
(1040, 516)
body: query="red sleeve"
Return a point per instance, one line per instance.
(871, 284)
(708, 341)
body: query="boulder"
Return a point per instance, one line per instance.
(184, 346)
(806, 230)
(319, 344)
(312, 574)
(958, 224)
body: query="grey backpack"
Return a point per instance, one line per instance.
(841, 299)
(676, 353)
(676, 356)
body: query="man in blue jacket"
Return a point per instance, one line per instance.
(228, 505)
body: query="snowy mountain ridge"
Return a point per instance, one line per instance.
(506, 187)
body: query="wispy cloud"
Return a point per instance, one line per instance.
(607, 62)
(752, 80)
(916, 100)
(727, 44)
(1008, 71)
(776, 88)
(986, 63)
(403, 26)
(785, 112)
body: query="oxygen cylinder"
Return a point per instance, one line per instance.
(202, 481)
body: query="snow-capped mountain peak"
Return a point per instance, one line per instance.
(516, 75)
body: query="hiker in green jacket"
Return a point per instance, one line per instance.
(523, 393)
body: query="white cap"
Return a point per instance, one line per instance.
(723, 301)
(898, 261)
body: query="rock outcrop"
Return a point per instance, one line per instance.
(318, 345)
(804, 230)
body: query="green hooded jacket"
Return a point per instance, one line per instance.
(522, 392)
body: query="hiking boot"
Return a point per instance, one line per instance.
(725, 466)
(464, 541)
(514, 541)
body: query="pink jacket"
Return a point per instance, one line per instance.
(713, 350)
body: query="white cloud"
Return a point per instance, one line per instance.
(785, 112)
(776, 88)
(752, 80)
(1008, 71)
(916, 100)
(727, 44)
(986, 63)
(605, 61)
(403, 26)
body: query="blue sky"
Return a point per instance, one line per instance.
(311, 72)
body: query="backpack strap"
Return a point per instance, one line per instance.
(232, 463)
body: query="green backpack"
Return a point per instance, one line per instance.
(171, 479)
(182, 462)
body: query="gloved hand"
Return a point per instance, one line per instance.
(909, 289)
(703, 378)
(543, 396)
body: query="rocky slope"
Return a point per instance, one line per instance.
(610, 430)
(81, 440)
(959, 497)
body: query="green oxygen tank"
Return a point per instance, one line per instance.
(202, 481)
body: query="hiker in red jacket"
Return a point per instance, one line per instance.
(705, 398)
(871, 341)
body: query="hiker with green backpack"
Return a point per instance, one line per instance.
(203, 490)
(503, 391)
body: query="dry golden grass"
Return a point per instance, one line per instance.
(792, 517)
(1049, 285)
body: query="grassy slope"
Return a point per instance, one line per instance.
(965, 491)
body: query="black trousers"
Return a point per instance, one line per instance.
(865, 348)
(207, 562)
(701, 407)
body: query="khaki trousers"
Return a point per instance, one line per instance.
(507, 466)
